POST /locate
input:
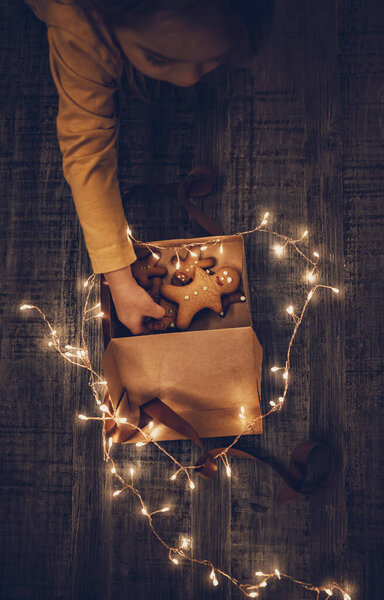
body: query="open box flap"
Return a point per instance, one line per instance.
(206, 373)
(204, 376)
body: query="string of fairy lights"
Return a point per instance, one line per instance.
(79, 355)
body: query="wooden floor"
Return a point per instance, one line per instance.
(300, 137)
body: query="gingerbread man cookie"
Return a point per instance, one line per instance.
(188, 265)
(166, 322)
(204, 291)
(238, 296)
(169, 319)
(145, 268)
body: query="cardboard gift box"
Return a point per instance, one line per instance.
(204, 374)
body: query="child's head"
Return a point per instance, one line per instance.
(179, 41)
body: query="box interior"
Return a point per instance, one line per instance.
(232, 255)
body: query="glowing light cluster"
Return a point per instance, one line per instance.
(79, 355)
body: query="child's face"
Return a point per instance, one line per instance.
(174, 50)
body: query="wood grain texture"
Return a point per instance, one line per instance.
(300, 136)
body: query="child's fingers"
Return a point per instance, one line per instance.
(155, 311)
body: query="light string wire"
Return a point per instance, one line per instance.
(79, 356)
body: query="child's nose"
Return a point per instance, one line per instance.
(190, 74)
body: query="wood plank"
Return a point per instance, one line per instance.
(300, 137)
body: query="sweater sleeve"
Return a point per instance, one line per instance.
(87, 127)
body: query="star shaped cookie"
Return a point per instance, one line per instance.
(204, 291)
(188, 265)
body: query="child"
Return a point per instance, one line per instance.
(90, 42)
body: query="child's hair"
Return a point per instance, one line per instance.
(247, 22)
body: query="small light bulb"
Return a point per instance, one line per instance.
(228, 471)
(155, 255)
(346, 596)
(100, 314)
(281, 399)
(277, 572)
(311, 277)
(53, 332)
(310, 295)
(83, 417)
(116, 493)
(104, 408)
(290, 310)
(272, 403)
(50, 343)
(335, 290)
(192, 485)
(113, 470)
(132, 471)
(278, 249)
(305, 233)
(266, 215)
(129, 231)
(110, 442)
(150, 425)
(193, 253)
(215, 582)
(144, 511)
(85, 284)
(259, 573)
(25, 306)
(274, 369)
(175, 561)
(263, 584)
(221, 248)
(173, 477)
(140, 444)
(122, 419)
(285, 375)
(328, 591)
(316, 255)
(178, 264)
(253, 595)
(212, 574)
(165, 509)
(203, 247)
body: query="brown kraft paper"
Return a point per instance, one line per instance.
(205, 374)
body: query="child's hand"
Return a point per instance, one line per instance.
(131, 301)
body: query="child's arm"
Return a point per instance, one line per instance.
(86, 73)
(87, 130)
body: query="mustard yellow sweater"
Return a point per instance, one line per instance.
(86, 71)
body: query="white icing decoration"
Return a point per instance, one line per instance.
(186, 297)
(225, 272)
(229, 279)
(242, 298)
(195, 293)
(205, 287)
